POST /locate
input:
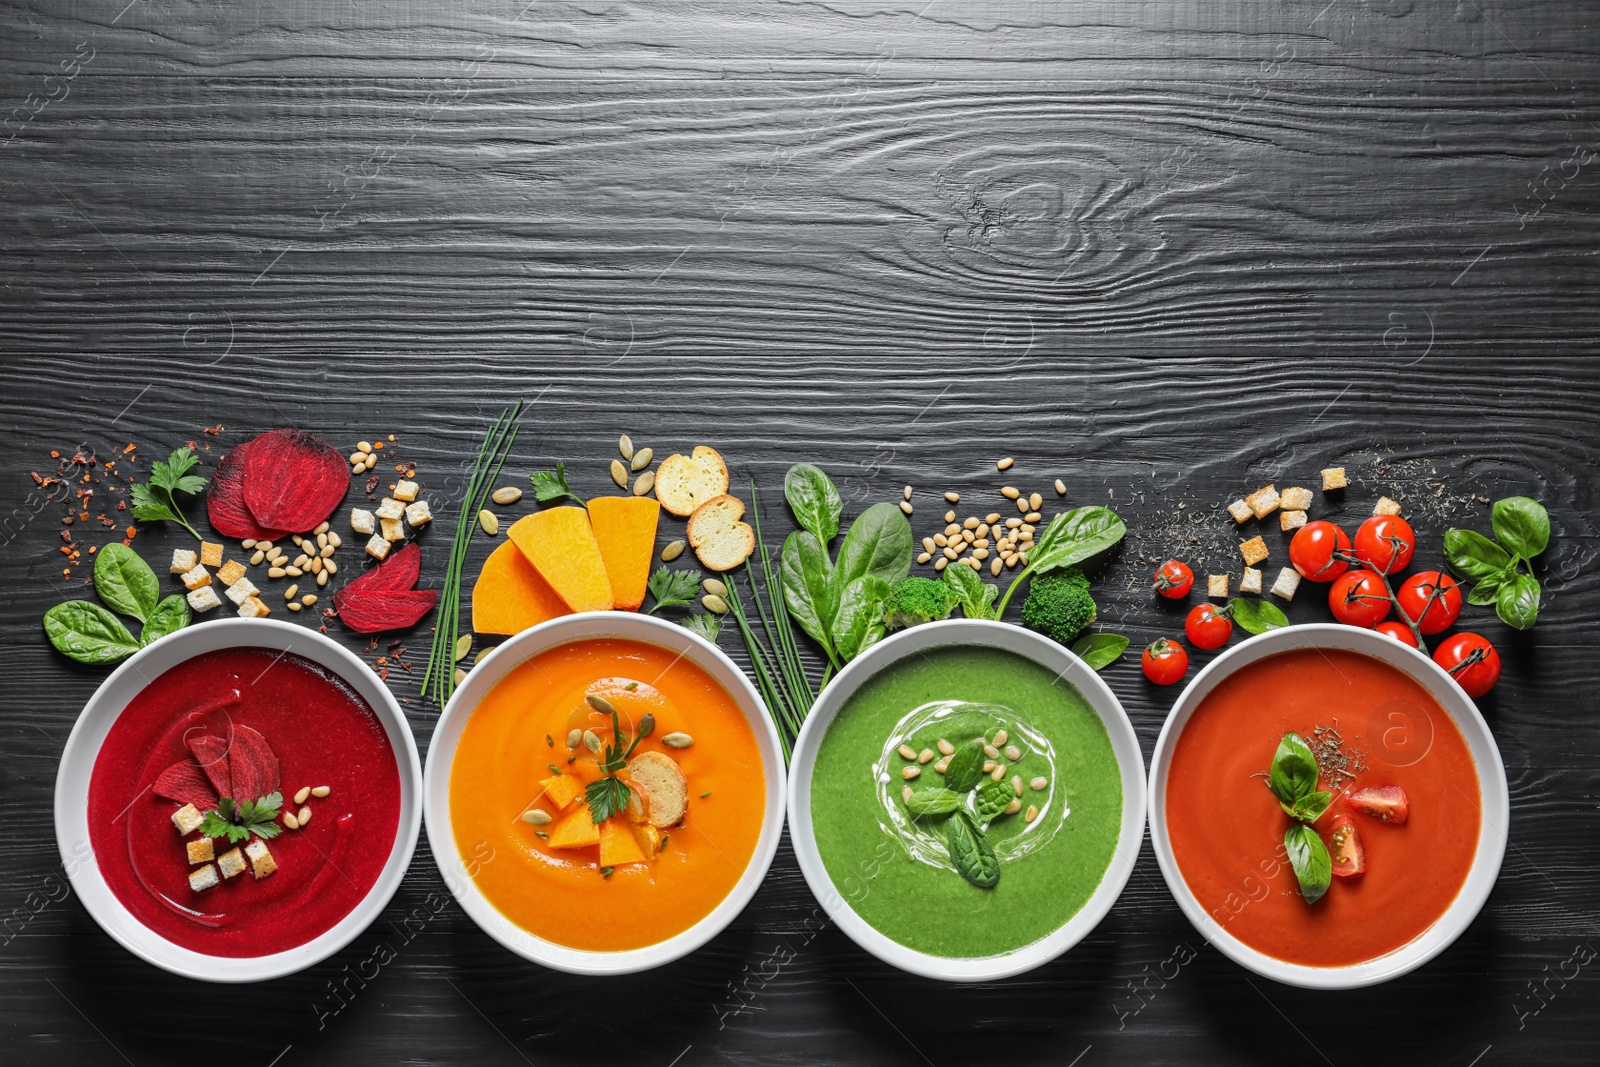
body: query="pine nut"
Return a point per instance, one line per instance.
(257, 558)
(248, 542)
(309, 599)
(304, 815)
(942, 765)
(315, 567)
(945, 747)
(1022, 506)
(672, 551)
(905, 506)
(1016, 784)
(322, 579)
(988, 766)
(641, 459)
(925, 756)
(1013, 753)
(334, 539)
(990, 751)
(1032, 516)
(327, 553)
(982, 531)
(995, 565)
(1039, 784)
(330, 567)
(274, 572)
(905, 794)
(321, 791)
(288, 594)
(967, 538)
(992, 518)
(301, 560)
(907, 752)
(970, 524)
(909, 773)
(940, 541)
(1013, 807)
(949, 516)
(940, 563)
(927, 544)
(951, 553)
(1061, 487)
(322, 528)
(953, 530)
(290, 822)
(999, 738)
(300, 797)
(363, 446)
(1010, 492)
(980, 554)
(322, 538)
(1013, 522)
(536, 816)
(1035, 501)
(293, 572)
(1033, 813)
(924, 557)
(906, 492)
(953, 497)
(1004, 464)
(999, 773)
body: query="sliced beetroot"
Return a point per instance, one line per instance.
(225, 505)
(212, 752)
(385, 609)
(252, 764)
(186, 783)
(293, 480)
(396, 574)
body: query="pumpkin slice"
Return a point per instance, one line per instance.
(575, 830)
(509, 596)
(561, 546)
(649, 839)
(625, 528)
(618, 845)
(561, 790)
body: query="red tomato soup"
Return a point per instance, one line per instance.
(260, 721)
(1226, 827)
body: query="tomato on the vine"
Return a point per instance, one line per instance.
(1174, 579)
(1164, 661)
(1399, 631)
(1358, 598)
(1471, 661)
(1312, 551)
(1208, 626)
(1385, 543)
(1431, 599)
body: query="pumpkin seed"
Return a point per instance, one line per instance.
(574, 737)
(460, 676)
(646, 482)
(489, 521)
(463, 646)
(482, 652)
(713, 585)
(625, 446)
(600, 704)
(536, 816)
(673, 550)
(506, 494)
(591, 741)
(619, 473)
(677, 740)
(714, 604)
(642, 458)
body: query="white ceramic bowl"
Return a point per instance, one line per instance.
(512, 653)
(968, 633)
(83, 746)
(1496, 801)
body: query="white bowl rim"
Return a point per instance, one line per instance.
(1029, 645)
(510, 654)
(1494, 822)
(107, 704)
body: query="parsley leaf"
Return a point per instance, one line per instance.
(606, 797)
(550, 486)
(672, 589)
(155, 502)
(706, 625)
(239, 820)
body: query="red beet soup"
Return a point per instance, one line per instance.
(251, 720)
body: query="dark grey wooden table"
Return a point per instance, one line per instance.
(1167, 253)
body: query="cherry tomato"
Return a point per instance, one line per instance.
(1471, 661)
(1164, 661)
(1358, 599)
(1174, 580)
(1208, 626)
(1344, 848)
(1399, 631)
(1386, 803)
(1385, 543)
(1431, 599)
(1312, 551)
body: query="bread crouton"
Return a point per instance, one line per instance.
(254, 608)
(210, 554)
(1217, 585)
(231, 863)
(184, 560)
(1240, 511)
(203, 879)
(683, 483)
(660, 780)
(362, 521)
(204, 599)
(1385, 506)
(1253, 550)
(196, 578)
(188, 819)
(230, 572)
(389, 508)
(392, 529)
(377, 547)
(419, 514)
(1288, 581)
(201, 851)
(242, 590)
(719, 538)
(1295, 498)
(1263, 501)
(405, 491)
(1333, 478)
(261, 861)
(1291, 520)
(1251, 581)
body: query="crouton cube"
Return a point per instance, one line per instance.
(210, 554)
(1385, 506)
(261, 861)
(392, 529)
(187, 819)
(1264, 501)
(184, 561)
(390, 509)
(377, 548)
(242, 590)
(1240, 511)
(1291, 520)
(232, 863)
(1217, 585)
(204, 599)
(418, 514)
(405, 490)
(361, 521)
(1333, 478)
(201, 851)
(1251, 582)
(196, 578)
(1288, 581)
(253, 608)
(1295, 498)
(203, 879)
(230, 572)
(1253, 550)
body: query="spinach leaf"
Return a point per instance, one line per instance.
(975, 596)
(1473, 555)
(170, 616)
(933, 802)
(1313, 867)
(814, 500)
(971, 852)
(1517, 601)
(808, 588)
(1309, 808)
(1522, 525)
(878, 544)
(85, 631)
(858, 624)
(1098, 651)
(1294, 772)
(991, 800)
(1257, 616)
(125, 582)
(1074, 536)
(965, 767)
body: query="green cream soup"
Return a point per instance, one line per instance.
(895, 867)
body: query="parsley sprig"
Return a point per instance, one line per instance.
(672, 589)
(155, 502)
(237, 821)
(550, 486)
(608, 796)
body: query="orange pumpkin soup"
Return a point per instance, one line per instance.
(1226, 828)
(654, 868)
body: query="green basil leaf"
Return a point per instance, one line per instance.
(858, 624)
(1484, 593)
(933, 802)
(975, 595)
(1517, 602)
(1473, 555)
(971, 852)
(170, 616)
(126, 582)
(1257, 616)
(965, 767)
(991, 800)
(814, 500)
(878, 544)
(1294, 772)
(1098, 651)
(808, 589)
(1522, 525)
(85, 631)
(1313, 867)
(1310, 808)
(1074, 536)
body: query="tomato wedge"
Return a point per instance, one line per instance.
(1344, 848)
(1386, 803)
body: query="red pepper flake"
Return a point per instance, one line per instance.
(131, 532)
(67, 521)
(54, 454)
(384, 674)
(131, 446)
(372, 485)
(382, 660)
(214, 430)
(66, 572)
(122, 505)
(36, 479)
(93, 549)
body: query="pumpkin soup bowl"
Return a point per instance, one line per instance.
(1394, 737)
(1089, 814)
(464, 859)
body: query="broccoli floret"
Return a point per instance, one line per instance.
(1059, 605)
(917, 600)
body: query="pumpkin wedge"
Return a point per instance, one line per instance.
(625, 528)
(510, 596)
(575, 830)
(561, 546)
(618, 845)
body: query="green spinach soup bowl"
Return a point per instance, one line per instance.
(967, 800)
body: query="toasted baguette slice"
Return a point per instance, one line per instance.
(718, 536)
(683, 483)
(658, 776)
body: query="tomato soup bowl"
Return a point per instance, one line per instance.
(1124, 760)
(459, 865)
(1487, 845)
(100, 715)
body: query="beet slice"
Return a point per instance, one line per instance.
(385, 609)
(212, 752)
(187, 784)
(396, 574)
(254, 767)
(225, 505)
(293, 480)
